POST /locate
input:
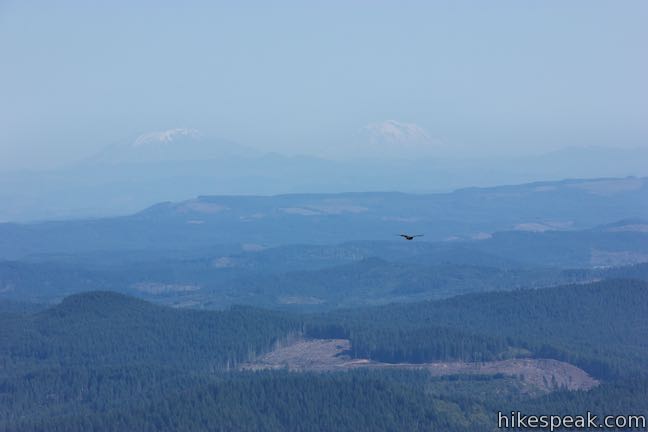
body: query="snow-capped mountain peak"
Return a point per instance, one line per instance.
(392, 138)
(395, 131)
(166, 136)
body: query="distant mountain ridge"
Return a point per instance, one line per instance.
(262, 221)
(178, 163)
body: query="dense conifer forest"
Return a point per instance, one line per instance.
(103, 361)
(601, 327)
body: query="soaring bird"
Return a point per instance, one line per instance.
(410, 237)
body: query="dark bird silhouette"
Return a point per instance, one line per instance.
(410, 237)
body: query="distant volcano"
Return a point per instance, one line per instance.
(392, 138)
(177, 144)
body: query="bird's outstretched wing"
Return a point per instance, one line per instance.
(409, 237)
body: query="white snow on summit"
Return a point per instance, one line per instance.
(395, 131)
(166, 136)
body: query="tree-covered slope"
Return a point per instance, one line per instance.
(106, 329)
(105, 362)
(602, 327)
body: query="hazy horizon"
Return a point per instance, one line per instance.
(460, 79)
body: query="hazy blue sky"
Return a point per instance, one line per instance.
(482, 76)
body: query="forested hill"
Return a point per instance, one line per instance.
(106, 328)
(107, 362)
(602, 327)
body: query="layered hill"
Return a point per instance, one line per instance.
(260, 221)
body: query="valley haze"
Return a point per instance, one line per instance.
(178, 163)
